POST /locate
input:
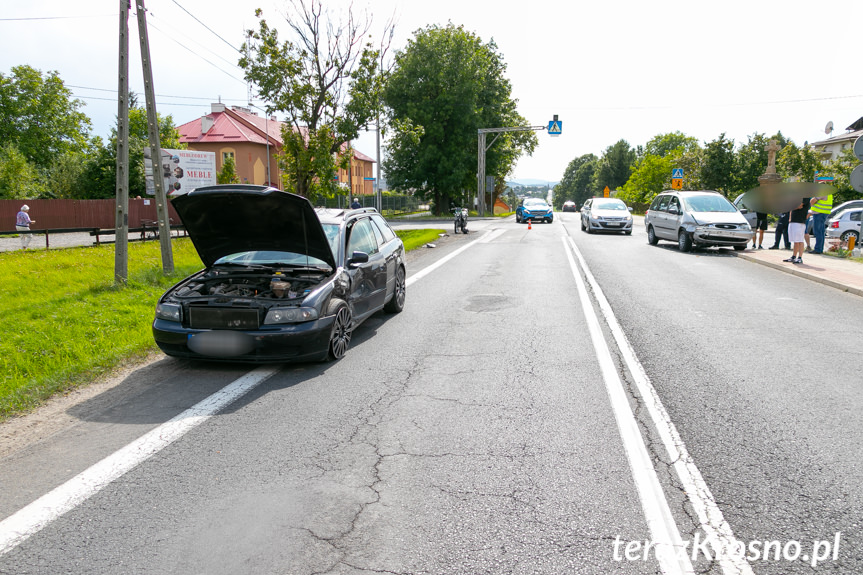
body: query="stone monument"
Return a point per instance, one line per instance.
(770, 176)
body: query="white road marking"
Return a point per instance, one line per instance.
(716, 528)
(424, 272)
(18, 527)
(670, 550)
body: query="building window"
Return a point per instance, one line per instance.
(226, 155)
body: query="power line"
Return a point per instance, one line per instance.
(197, 54)
(205, 26)
(180, 34)
(159, 95)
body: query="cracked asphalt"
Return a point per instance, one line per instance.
(472, 433)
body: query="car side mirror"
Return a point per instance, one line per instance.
(628, 208)
(673, 210)
(358, 258)
(744, 211)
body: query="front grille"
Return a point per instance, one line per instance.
(223, 318)
(726, 226)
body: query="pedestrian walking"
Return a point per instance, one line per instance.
(781, 232)
(796, 231)
(821, 207)
(22, 224)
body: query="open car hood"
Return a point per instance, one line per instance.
(227, 219)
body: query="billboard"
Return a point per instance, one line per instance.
(182, 170)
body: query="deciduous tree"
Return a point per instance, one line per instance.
(40, 117)
(446, 84)
(326, 78)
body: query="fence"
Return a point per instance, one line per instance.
(70, 214)
(392, 204)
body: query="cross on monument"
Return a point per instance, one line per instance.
(772, 148)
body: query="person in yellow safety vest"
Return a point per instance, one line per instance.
(820, 208)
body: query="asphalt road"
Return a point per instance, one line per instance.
(495, 426)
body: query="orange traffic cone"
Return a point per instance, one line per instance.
(528, 224)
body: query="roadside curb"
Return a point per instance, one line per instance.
(803, 274)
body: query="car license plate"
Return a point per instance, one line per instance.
(613, 224)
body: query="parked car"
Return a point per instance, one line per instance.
(845, 206)
(282, 281)
(534, 209)
(569, 206)
(845, 224)
(696, 219)
(606, 215)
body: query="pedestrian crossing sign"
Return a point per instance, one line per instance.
(677, 174)
(555, 127)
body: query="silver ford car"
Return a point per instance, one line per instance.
(696, 219)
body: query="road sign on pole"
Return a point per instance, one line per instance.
(677, 173)
(676, 184)
(605, 192)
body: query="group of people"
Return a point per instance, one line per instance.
(797, 226)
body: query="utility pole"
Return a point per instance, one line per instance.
(121, 224)
(155, 146)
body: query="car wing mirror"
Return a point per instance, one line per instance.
(744, 211)
(358, 258)
(673, 210)
(628, 208)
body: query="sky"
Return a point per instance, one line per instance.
(610, 70)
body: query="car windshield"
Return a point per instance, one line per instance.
(708, 203)
(608, 205)
(332, 233)
(535, 202)
(269, 258)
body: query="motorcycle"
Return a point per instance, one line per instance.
(460, 220)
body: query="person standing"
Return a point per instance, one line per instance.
(821, 207)
(22, 224)
(781, 232)
(355, 205)
(796, 230)
(760, 228)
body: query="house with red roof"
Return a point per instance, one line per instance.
(254, 143)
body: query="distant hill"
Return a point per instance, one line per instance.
(530, 182)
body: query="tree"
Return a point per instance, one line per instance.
(717, 172)
(228, 173)
(840, 168)
(576, 182)
(19, 178)
(615, 166)
(651, 176)
(326, 79)
(751, 161)
(665, 144)
(99, 174)
(446, 84)
(797, 163)
(39, 116)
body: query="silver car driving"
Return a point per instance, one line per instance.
(606, 215)
(696, 219)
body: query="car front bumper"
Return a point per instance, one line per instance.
(308, 341)
(721, 237)
(611, 225)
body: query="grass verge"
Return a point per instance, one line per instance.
(65, 323)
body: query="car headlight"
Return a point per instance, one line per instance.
(169, 312)
(746, 226)
(290, 315)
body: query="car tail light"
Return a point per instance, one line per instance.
(834, 224)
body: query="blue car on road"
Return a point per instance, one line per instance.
(534, 209)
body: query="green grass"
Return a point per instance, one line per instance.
(65, 322)
(413, 239)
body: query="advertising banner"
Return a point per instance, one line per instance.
(182, 170)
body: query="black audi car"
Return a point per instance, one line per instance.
(283, 281)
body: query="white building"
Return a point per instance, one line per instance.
(830, 148)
